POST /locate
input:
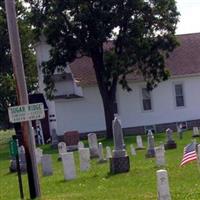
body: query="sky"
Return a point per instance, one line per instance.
(189, 21)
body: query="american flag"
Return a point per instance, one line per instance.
(189, 153)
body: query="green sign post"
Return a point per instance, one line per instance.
(13, 148)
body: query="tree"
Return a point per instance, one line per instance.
(7, 80)
(141, 33)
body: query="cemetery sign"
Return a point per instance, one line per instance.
(26, 112)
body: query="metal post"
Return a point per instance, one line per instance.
(18, 68)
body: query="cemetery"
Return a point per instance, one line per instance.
(92, 171)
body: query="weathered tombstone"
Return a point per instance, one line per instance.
(195, 132)
(93, 145)
(84, 157)
(120, 160)
(108, 153)
(46, 161)
(80, 144)
(133, 152)
(139, 143)
(101, 156)
(69, 165)
(54, 139)
(38, 154)
(198, 152)
(160, 156)
(150, 139)
(170, 142)
(61, 149)
(163, 185)
(180, 130)
(71, 140)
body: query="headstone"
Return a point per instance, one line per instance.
(71, 139)
(84, 157)
(120, 161)
(38, 154)
(80, 144)
(69, 165)
(46, 161)
(195, 132)
(54, 139)
(170, 142)
(163, 185)
(160, 156)
(93, 145)
(139, 143)
(198, 152)
(101, 156)
(150, 139)
(108, 153)
(133, 152)
(61, 149)
(180, 130)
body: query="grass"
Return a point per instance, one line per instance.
(98, 184)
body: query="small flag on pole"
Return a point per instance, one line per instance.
(189, 153)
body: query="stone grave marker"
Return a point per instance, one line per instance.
(93, 145)
(133, 152)
(139, 143)
(84, 158)
(68, 165)
(120, 160)
(195, 132)
(54, 139)
(101, 155)
(46, 161)
(198, 153)
(71, 140)
(108, 153)
(160, 156)
(163, 185)
(38, 154)
(171, 144)
(151, 144)
(61, 149)
(80, 144)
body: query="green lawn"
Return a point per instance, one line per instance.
(97, 184)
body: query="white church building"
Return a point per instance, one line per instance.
(78, 106)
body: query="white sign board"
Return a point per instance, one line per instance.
(26, 112)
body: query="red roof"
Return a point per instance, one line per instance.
(184, 60)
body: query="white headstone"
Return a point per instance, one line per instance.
(84, 157)
(160, 156)
(108, 153)
(133, 152)
(198, 149)
(69, 165)
(46, 161)
(163, 185)
(195, 131)
(62, 148)
(93, 145)
(80, 144)
(139, 142)
(101, 156)
(38, 154)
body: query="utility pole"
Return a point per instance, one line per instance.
(28, 140)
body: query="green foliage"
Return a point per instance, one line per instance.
(7, 80)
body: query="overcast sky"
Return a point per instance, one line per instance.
(190, 16)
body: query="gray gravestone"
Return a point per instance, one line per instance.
(139, 143)
(68, 165)
(198, 152)
(195, 132)
(38, 155)
(133, 152)
(84, 158)
(80, 144)
(170, 142)
(62, 148)
(46, 161)
(108, 153)
(101, 156)
(93, 145)
(54, 139)
(151, 144)
(160, 156)
(163, 185)
(120, 161)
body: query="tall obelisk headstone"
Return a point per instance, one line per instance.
(170, 142)
(120, 161)
(151, 144)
